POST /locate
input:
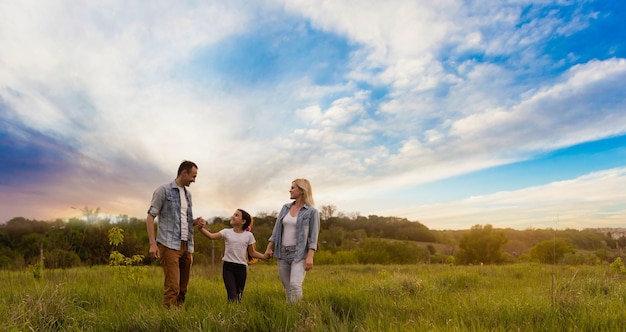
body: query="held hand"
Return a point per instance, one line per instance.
(269, 253)
(200, 222)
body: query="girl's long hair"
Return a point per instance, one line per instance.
(247, 226)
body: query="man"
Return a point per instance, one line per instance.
(171, 203)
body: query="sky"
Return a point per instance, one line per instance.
(451, 113)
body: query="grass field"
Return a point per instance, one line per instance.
(520, 297)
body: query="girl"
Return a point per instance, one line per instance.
(239, 251)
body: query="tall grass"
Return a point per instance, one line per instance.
(337, 298)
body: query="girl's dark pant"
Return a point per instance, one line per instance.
(235, 280)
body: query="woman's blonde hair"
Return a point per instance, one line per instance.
(307, 191)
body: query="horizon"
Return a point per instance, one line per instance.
(211, 220)
(452, 114)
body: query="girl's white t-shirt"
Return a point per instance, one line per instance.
(236, 245)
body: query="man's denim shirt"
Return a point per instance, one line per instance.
(166, 205)
(307, 230)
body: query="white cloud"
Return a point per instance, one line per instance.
(99, 77)
(562, 204)
(566, 113)
(311, 113)
(107, 79)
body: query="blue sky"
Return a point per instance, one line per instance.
(450, 113)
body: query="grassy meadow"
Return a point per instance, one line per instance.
(519, 297)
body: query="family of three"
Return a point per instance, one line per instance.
(293, 241)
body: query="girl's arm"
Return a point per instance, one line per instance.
(212, 236)
(255, 254)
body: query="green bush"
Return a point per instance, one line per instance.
(336, 258)
(617, 266)
(5, 262)
(380, 251)
(59, 258)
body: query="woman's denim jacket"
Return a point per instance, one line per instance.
(307, 230)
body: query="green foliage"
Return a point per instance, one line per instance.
(442, 259)
(481, 245)
(380, 251)
(37, 270)
(117, 259)
(336, 258)
(30, 245)
(116, 236)
(381, 227)
(5, 262)
(124, 266)
(551, 251)
(59, 258)
(621, 242)
(585, 240)
(85, 241)
(10, 258)
(617, 266)
(450, 260)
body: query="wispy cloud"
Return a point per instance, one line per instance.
(594, 200)
(367, 99)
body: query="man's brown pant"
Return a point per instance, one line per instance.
(176, 266)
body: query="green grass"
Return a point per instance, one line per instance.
(521, 297)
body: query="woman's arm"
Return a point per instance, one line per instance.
(308, 261)
(314, 230)
(269, 251)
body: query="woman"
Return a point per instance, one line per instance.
(239, 251)
(295, 238)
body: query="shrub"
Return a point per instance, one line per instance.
(337, 258)
(125, 267)
(59, 258)
(617, 266)
(379, 251)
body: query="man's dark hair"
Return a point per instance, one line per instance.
(186, 165)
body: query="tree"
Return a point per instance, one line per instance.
(621, 242)
(551, 251)
(481, 245)
(327, 211)
(90, 215)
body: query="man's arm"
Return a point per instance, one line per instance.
(154, 250)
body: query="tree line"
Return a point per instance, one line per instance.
(343, 239)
